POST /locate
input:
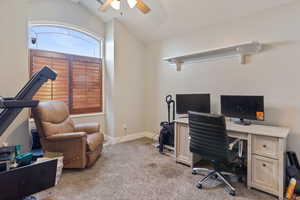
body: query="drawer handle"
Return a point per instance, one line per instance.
(264, 165)
(264, 146)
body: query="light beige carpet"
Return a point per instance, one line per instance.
(136, 171)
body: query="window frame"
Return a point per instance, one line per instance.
(92, 36)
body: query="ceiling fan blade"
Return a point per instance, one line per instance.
(106, 5)
(142, 7)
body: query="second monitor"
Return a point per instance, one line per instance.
(243, 107)
(192, 102)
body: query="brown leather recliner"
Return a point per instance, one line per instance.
(80, 144)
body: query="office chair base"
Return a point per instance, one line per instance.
(232, 193)
(221, 177)
(199, 186)
(196, 171)
(30, 198)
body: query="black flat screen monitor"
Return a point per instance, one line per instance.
(24, 181)
(192, 102)
(243, 107)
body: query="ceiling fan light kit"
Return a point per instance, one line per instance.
(132, 3)
(116, 4)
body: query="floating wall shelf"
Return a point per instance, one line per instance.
(243, 50)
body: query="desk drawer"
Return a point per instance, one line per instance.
(265, 146)
(265, 174)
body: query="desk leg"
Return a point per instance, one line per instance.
(249, 161)
(281, 169)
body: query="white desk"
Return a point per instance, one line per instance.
(266, 153)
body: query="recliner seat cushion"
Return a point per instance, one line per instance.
(63, 127)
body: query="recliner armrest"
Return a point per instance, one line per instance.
(66, 136)
(88, 127)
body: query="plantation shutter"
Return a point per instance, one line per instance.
(78, 84)
(60, 87)
(45, 92)
(87, 85)
(52, 90)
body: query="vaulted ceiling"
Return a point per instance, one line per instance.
(175, 17)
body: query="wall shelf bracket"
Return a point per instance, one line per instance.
(178, 65)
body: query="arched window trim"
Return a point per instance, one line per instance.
(73, 27)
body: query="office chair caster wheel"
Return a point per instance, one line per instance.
(199, 186)
(232, 193)
(214, 177)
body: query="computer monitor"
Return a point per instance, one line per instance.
(24, 181)
(192, 102)
(243, 107)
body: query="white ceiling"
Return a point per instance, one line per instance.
(174, 17)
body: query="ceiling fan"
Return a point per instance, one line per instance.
(116, 4)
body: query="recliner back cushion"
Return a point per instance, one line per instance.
(54, 117)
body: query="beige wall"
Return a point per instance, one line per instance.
(14, 64)
(130, 82)
(273, 73)
(126, 79)
(65, 12)
(14, 18)
(110, 78)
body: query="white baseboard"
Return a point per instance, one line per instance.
(130, 137)
(151, 135)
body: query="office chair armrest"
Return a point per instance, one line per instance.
(231, 145)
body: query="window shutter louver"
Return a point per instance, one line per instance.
(45, 92)
(60, 87)
(86, 81)
(78, 84)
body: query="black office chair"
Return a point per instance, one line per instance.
(209, 140)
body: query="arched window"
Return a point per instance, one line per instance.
(63, 40)
(75, 57)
